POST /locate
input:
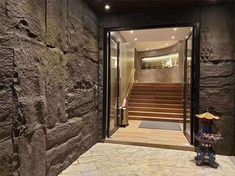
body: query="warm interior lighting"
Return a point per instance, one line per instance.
(147, 49)
(135, 39)
(166, 44)
(175, 29)
(131, 32)
(164, 57)
(107, 7)
(172, 37)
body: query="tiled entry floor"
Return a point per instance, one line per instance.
(124, 160)
(133, 135)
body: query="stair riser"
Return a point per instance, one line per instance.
(156, 97)
(155, 101)
(154, 115)
(155, 105)
(156, 93)
(156, 110)
(158, 90)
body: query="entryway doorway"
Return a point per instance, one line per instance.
(151, 86)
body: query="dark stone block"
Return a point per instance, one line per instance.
(6, 157)
(223, 69)
(5, 128)
(63, 132)
(6, 101)
(220, 100)
(74, 34)
(82, 77)
(26, 17)
(30, 78)
(61, 156)
(226, 126)
(33, 112)
(90, 43)
(56, 23)
(32, 152)
(76, 9)
(90, 21)
(6, 67)
(217, 39)
(80, 102)
(55, 86)
(217, 82)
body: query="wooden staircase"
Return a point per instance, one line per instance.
(156, 101)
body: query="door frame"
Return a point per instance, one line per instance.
(195, 71)
(110, 37)
(188, 136)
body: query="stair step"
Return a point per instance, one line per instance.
(166, 97)
(156, 114)
(153, 109)
(169, 119)
(156, 90)
(156, 93)
(159, 84)
(156, 105)
(156, 101)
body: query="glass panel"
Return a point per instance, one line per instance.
(165, 61)
(114, 84)
(188, 81)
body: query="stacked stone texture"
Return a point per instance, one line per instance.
(217, 71)
(48, 78)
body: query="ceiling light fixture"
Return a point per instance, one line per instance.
(107, 7)
(147, 49)
(131, 32)
(135, 39)
(172, 37)
(175, 29)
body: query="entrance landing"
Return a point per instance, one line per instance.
(125, 160)
(133, 135)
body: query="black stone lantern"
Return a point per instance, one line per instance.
(206, 137)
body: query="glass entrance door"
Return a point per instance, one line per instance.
(188, 89)
(114, 86)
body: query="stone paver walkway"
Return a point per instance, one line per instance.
(124, 160)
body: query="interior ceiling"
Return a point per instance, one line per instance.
(151, 39)
(143, 6)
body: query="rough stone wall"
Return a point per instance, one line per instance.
(217, 67)
(100, 82)
(234, 71)
(48, 85)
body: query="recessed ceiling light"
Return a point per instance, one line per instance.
(172, 37)
(131, 32)
(107, 7)
(175, 29)
(135, 39)
(147, 49)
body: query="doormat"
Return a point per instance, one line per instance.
(160, 125)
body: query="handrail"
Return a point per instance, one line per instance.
(127, 94)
